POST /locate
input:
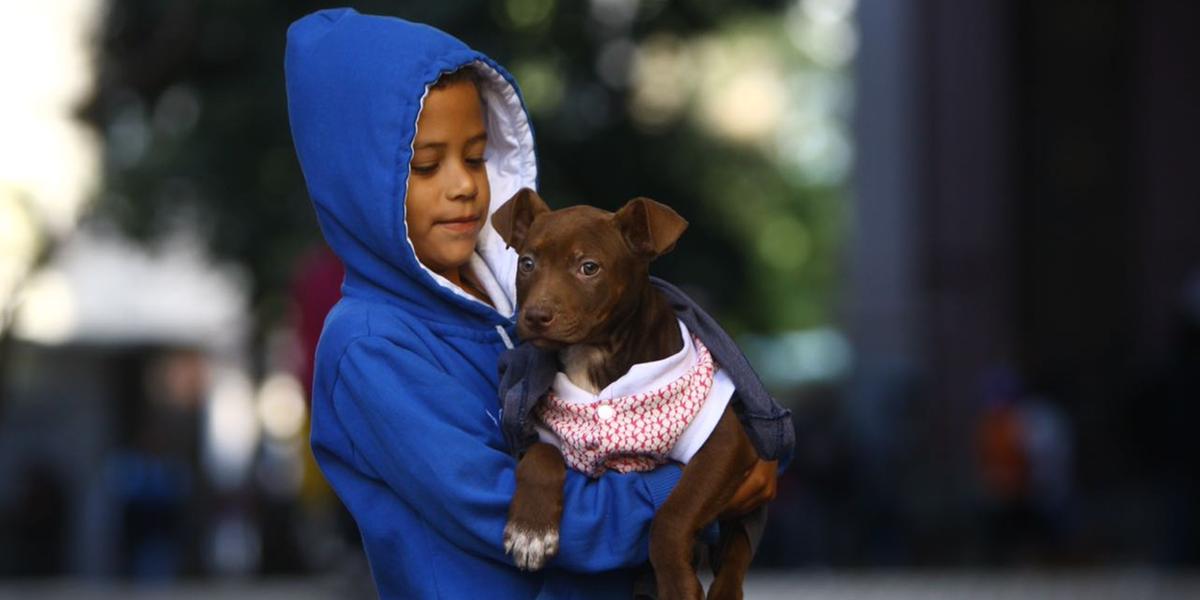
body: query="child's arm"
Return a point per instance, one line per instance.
(413, 433)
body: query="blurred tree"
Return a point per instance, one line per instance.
(192, 107)
(26, 249)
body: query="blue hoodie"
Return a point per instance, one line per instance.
(405, 413)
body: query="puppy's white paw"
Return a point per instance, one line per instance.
(530, 549)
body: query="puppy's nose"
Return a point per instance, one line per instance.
(538, 317)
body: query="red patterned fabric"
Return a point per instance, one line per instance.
(629, 433)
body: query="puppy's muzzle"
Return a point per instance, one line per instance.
(537, 319)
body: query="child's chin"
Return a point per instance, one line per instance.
(446, 260)
(458, 251)
(460, 259)
(459, 244)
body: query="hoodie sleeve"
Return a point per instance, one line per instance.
(409, 431)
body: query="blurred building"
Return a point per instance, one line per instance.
(1024, 200)
(106, 445)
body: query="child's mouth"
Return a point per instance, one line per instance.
(463, 225)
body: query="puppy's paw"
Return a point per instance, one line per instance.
(530, 547)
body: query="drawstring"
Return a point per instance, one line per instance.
(504, 335)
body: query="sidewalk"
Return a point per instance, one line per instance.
(1090, 585)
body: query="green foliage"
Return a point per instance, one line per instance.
(192, 106)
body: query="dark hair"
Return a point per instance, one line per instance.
(464, 74)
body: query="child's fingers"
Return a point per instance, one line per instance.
(757, 488)
(764, 477)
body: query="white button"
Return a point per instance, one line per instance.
(605, 412)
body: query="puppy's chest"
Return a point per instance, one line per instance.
(578, 362)
(627, 430)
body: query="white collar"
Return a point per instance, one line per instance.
(642, 377)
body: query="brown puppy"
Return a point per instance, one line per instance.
(584, 290)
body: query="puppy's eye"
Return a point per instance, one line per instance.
(526, 264)
(589, 268)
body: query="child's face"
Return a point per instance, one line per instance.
(448, 192)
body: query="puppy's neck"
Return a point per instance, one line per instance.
(649, 331)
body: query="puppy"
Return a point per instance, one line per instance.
(584, 290)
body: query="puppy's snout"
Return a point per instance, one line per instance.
(538, 318)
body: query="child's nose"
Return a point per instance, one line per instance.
(462, 184)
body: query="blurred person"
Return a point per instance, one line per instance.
(1166, 415)
(151, 490)
(327, 528)
(38, 526)
(1049, 444)
(1025, 454)
(1003, 463)
(316, 287)
(408, 140)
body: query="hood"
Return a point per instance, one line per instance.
(355, 87)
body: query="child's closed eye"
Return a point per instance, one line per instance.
(424, 169)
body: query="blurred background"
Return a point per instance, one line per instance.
(960, 240)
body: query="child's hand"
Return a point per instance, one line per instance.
(758, 488)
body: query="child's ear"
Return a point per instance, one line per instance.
(650, 227)
(512, 219)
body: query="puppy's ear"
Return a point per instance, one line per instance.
(512, 219)
(651, 228)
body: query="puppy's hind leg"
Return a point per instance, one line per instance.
(733, 554)
(707, 484)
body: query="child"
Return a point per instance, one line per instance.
(408, 140)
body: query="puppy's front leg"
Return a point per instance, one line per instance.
(531, 536)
